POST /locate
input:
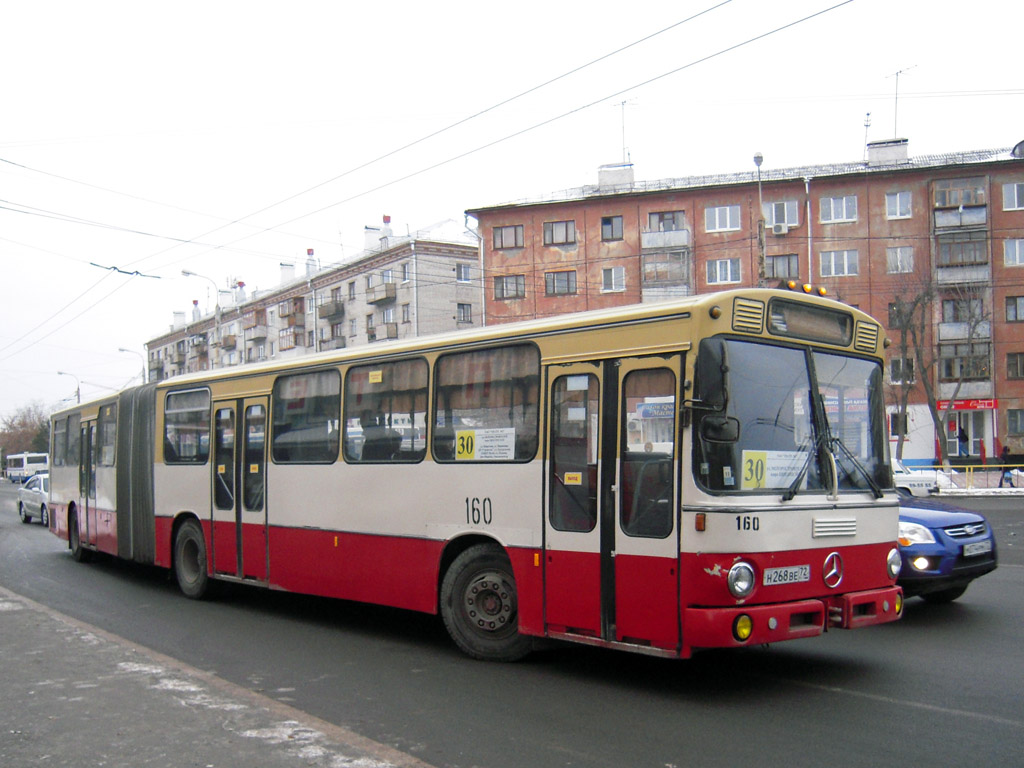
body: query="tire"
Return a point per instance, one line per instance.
(190, 560)
(78, 552)
(944, 596)
(479, 605)
(44, 516)
(25, 517)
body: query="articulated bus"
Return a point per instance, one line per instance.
(21, 467)
(704, 473)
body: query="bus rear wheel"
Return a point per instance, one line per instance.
(190, 560)
(479, 605)
(78, 552)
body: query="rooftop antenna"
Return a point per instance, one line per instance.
(625, 152)
(867, 124)
(896, 100)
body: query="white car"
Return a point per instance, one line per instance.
(33, 497)
(919, 482)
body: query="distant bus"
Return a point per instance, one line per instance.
(22, 466)
(661, 478)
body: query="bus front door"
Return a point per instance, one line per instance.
(611, 530)
(239, 513)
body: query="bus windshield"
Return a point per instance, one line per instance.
(770, 418)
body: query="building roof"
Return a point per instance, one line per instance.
(799, 173)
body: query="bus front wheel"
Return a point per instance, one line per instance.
(190, 560)
(479, 605)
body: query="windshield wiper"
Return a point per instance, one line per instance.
(875, 489)
(799, 479)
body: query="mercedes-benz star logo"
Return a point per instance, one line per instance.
(833, 570)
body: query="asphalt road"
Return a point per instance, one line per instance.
(941, 687)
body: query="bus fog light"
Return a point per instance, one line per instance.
(899, 604)
(741, 580)
(894, 563)
(742, 627)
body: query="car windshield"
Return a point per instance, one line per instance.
(769, 417)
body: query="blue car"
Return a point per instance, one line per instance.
(944, 548)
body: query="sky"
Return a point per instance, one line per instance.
(139, 139)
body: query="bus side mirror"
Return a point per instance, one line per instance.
(712, 375)
(715, 428)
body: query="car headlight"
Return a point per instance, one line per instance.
(914, 533)
(741, 580)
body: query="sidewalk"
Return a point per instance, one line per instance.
(74, 695)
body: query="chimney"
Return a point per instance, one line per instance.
(287, 272)
(178, 321)
(888, 152)
(310, 263)
(195, 310)
(239, 292)
(615, 175)
(371, 238)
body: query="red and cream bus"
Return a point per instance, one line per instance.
(661, 478)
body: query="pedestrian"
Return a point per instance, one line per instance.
(1007, 476)
(962, 438)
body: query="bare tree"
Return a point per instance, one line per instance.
(26, 429)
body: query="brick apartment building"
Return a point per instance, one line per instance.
(872, 233)
(423, 283)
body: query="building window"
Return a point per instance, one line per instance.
(369, 282)
(1015, 421)
(613, 279)
(1013, 253)
(952, 193)
(783, 212)
(406, 313)
(611, 228)
(901, 370)
(462, 273)
(897, 205)
(465, 313)
(723, 271)
(839, 263)
(666, 221)
(388, 315)
(510, 287)
(961, 310)
(369, 323)
(559, 232)
(352, 290)
(286, 339)
(508, 237)
(899, 259)
(1013, 196)
(1015, 365)
(724, 218)
(670, 268)
(337, 330)
(782, 266)
(897, 424)
(1015, 309)
(837, 209)
(387, 276)
(560, 283)
(962, 249)
(964, 361)
(406, 272)
(353, 327)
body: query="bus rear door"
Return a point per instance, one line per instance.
(239, 514)
(611, 532)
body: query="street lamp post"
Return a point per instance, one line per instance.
(216, 311)
(78, 385)
(141, 356)
(758, 159)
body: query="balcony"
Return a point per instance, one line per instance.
(228, 342)
(331, 310)
(379, 294)
(665, 241)
(297, 320)
(256, 333)
(964, 216)
(335, 343)
(961, 331)
(382, 332)
(965, 273)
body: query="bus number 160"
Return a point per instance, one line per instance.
(478, 511)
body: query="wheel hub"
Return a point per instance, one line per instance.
(489, 601)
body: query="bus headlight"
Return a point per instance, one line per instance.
(741, 580)
(894, 562)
